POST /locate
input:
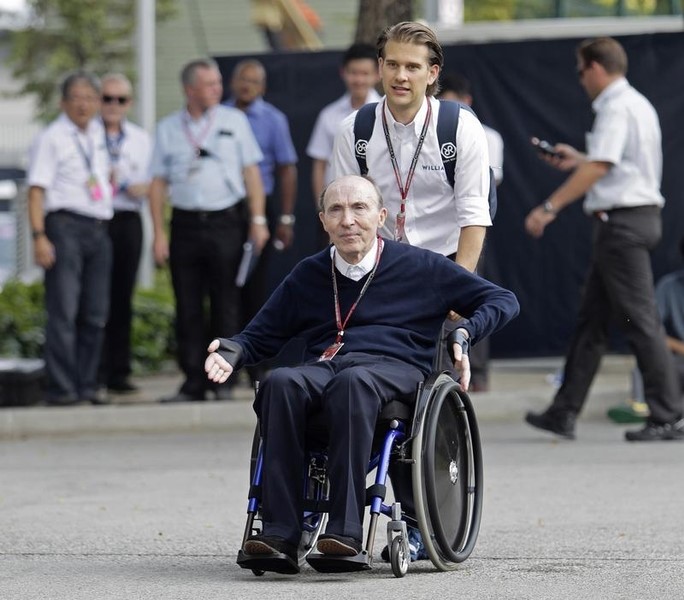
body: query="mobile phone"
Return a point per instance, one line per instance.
(544, 147)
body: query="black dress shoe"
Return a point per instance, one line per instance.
(271, 553)
(331, 544)
(560, 423)
(180, 397)
(122, 387)
(657, 432)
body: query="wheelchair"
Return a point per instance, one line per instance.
(439, 438)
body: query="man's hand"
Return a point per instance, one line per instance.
(44, 252)
(284, 235)
(567, 159)
(218, 369)
(537, 220)
(160, 249)
(460, 355)
(259, 234)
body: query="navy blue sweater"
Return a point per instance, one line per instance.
(400, 315)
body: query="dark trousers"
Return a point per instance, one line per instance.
(126, 234)
(205, 252)
(77, 302)
(351, 391)
(620, 284)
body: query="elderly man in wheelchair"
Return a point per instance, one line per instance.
(369, 311)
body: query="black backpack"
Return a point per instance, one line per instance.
(447, 124)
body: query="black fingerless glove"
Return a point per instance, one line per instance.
(230, 351)
(458, 336)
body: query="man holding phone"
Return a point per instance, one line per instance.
(620, 175)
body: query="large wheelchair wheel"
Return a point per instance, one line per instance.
(447, 473)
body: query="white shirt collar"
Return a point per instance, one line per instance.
(609, 92)
(416, 124)
(364, 266)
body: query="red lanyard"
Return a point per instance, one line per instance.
(196, 143)
(404, 189)
(338, 313)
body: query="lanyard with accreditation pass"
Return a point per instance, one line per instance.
(404, 188)
(333, 349)
(92, 183)
(197, 142)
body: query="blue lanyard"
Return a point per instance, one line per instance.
(114, 146)
(87, 156)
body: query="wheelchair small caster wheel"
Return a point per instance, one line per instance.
(258, 572)
(399, 559)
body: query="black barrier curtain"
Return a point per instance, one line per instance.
(521, 89)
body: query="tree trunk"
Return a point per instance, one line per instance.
(376, 15)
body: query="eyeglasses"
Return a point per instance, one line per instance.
(112, 99)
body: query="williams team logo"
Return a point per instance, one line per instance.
(360, 147)
(448, 151)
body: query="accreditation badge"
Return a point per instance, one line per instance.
(94, 188)
(399, 227)
(330, 352)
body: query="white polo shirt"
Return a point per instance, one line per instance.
(626, 133)
(132, 165)
(58, 163)
(435, 212)
(328, 124)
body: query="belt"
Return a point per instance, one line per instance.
(205, 215)
(78, 216)
(604, 215)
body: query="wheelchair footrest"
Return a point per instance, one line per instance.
(274, 563)
(325, 563)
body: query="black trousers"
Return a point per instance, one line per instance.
(126, 234)
(77, 303)
(205, 252)
(351, 391)
(620, 285)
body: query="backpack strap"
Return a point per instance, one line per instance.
(363, 129)
(447, 125)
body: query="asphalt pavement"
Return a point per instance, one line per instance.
(146, 501)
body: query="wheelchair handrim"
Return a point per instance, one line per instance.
(438, 547)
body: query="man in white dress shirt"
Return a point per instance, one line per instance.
(423, 209)
(70, 205)
(129, 148)
(620, 175)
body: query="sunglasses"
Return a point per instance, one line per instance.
(112, 99)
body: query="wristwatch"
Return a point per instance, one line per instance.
(37, 233)
(549, 208)
(287, 220)
(259, 220)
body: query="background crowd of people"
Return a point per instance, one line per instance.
(229, 173)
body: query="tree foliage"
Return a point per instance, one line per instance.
(64, 35)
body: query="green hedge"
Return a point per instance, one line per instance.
(22, 323)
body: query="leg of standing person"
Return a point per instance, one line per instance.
(583, 359)
(222, 240)
(93, 308)
(125, 231)
(62, 292)
(626, 262)
(187, 263)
